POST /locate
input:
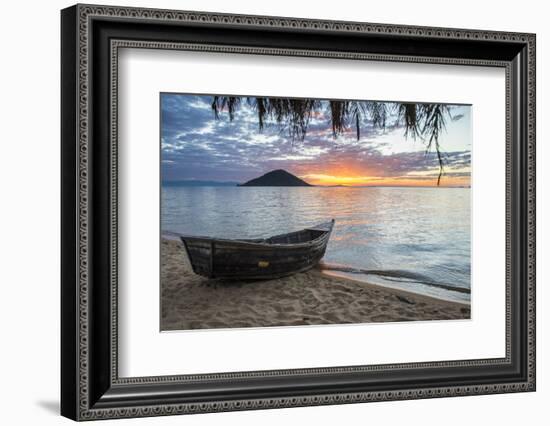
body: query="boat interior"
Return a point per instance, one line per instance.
(295, 237)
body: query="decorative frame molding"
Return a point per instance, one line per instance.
(91, 388)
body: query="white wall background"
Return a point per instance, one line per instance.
(29, 212)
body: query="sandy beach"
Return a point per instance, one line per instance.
(189, 301)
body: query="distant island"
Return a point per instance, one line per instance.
(276, 178)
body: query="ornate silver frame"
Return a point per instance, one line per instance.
(85, 396)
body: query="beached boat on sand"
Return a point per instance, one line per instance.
(273, 257)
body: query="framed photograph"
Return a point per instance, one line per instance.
(263, 212)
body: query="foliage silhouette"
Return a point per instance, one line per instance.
(424, 121)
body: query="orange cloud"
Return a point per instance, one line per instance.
(358, 180)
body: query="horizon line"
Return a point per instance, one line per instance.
(239, 184)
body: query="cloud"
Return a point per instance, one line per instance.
(197, 146)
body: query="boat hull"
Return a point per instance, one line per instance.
(271, 258)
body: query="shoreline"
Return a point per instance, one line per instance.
(327, 269)
(189, 301)
(404, 293)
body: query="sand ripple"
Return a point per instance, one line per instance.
(189, 301)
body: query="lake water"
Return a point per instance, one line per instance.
(417, 239)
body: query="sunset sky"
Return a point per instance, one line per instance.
(196, 146)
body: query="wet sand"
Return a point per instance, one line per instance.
(189, 301)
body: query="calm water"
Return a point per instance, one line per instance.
(417, 239)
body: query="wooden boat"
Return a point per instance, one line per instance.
(273, 257)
